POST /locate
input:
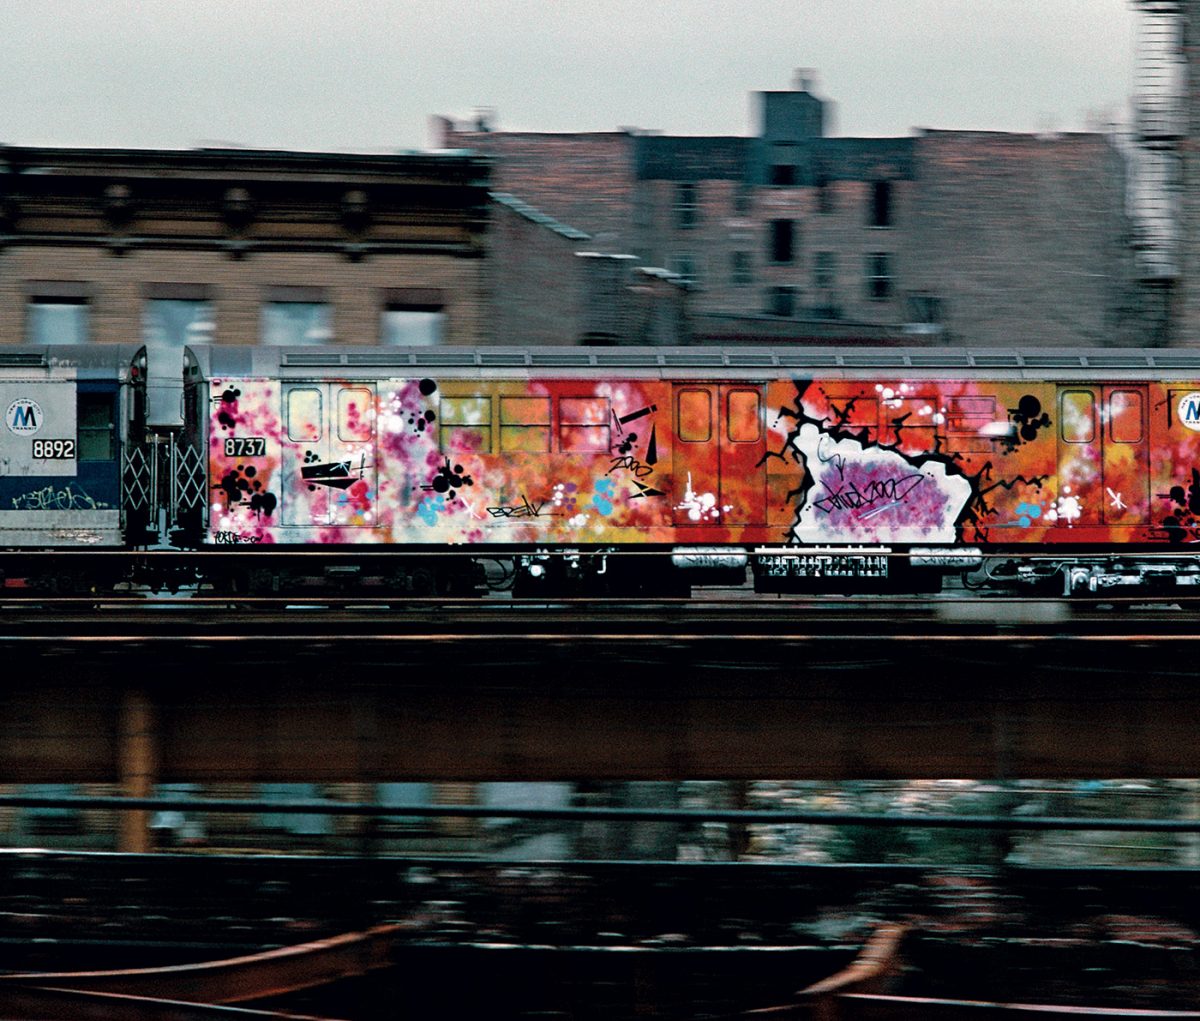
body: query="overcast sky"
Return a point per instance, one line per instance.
(366, 74)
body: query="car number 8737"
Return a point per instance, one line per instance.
(245, 446)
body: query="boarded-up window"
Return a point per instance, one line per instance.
(355, 423)
(1077, 419)
(525, 424)
(305, 415)
(694, 415)
(744, 416)
(583, 424)
(466, 425)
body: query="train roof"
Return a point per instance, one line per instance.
(696, 362)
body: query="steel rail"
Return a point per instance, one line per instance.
(764, 817)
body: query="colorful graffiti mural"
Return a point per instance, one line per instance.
(811, 462)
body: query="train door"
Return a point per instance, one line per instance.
(328, 454)
(720, 445)
(1103, 455)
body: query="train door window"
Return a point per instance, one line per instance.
(1126, 418)
(466, 425)
(95, 429)
(305, 415)
(743, 416)
(355, 420)
(694, 415)
(583, 424)
(1077, 416)
(525, 424)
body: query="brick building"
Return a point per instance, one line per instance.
(942, 236)
(242, 246)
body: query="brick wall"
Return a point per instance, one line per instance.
(534, 279)
(583, 180)
(1024, 238)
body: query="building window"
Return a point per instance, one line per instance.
(173, 319)
(412, 317)
(781, 301)
(406, 327)
(687, 206)
(880, 212)
(783, 174)
(782, 241)
(57, 312)
(296, 316)
(741, 273)
(824, 270)
(879, 276)
(684, 264)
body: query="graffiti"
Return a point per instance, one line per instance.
(633, 416)
(228, 407)
(448, 480)
(827, 454)
(564, 496)
(1029, 418)
(906, 497)
(1067, 508)
(645, 492)
(850, 497)
(51, 498)
(627, 444)
(1115, 500)
(241, 485)
(631, 464)
(524, 509)
(419, 422)
(429, 509)
(1183, 523)
(602, 500)
(235, 538)
(334, 474)
(700, 506)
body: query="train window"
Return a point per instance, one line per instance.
(355, 420)
(694, 416)
(744, 416)
(1125, 417)
(1077, 418)
(466, 425)
(583, 424)
(525, 424)
(305, 415)
(94, 427)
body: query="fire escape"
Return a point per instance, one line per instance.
(1159, 128)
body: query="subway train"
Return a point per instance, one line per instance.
(598, 471)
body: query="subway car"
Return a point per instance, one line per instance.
(609, 471)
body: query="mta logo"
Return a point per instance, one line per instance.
(1189, 411)
(24, 417)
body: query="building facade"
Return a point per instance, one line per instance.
(794, 235)
(242, 247)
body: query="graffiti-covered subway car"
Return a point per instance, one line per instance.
(821, 469)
